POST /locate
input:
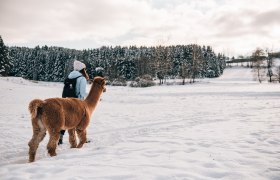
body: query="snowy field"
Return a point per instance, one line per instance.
(224, 128)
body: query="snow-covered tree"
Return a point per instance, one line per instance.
(54, 63)
(5, 64)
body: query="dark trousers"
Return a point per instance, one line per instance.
(62, 132)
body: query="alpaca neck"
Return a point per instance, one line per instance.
(93, 97)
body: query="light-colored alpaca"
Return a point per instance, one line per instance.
(55, 114)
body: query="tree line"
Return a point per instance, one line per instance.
(54, 63)
(263, 62)
(263, 65)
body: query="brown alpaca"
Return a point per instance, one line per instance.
(55, 114)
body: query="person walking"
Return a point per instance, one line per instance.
(81, 76)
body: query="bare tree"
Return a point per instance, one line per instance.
(270, 64)
(278, 73)
(184, 71)
(161, 63)
(196, 62)
(160, 76)
(258, 61)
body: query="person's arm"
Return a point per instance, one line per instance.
(83, 84)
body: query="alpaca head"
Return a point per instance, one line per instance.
(100, 81)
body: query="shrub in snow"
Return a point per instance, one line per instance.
(144, 81)
(118, 82)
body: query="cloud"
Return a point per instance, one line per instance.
(229, 26)
(267, 18)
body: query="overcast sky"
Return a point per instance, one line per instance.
(234, 27)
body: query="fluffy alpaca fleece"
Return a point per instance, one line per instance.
(52, 115)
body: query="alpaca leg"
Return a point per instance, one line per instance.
(54, 137)
(38, 136)
(33, 145)
(72, 138)
(82, 134)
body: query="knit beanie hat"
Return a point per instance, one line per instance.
(78, 65)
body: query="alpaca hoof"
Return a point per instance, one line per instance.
(80, 146)
(31, 157)
(53, 154)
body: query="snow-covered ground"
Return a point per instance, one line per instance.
(224, 128)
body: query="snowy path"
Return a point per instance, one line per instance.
(224, 128)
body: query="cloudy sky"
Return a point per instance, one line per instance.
(234, 27)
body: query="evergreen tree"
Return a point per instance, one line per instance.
(58, 73)
(5, 64)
